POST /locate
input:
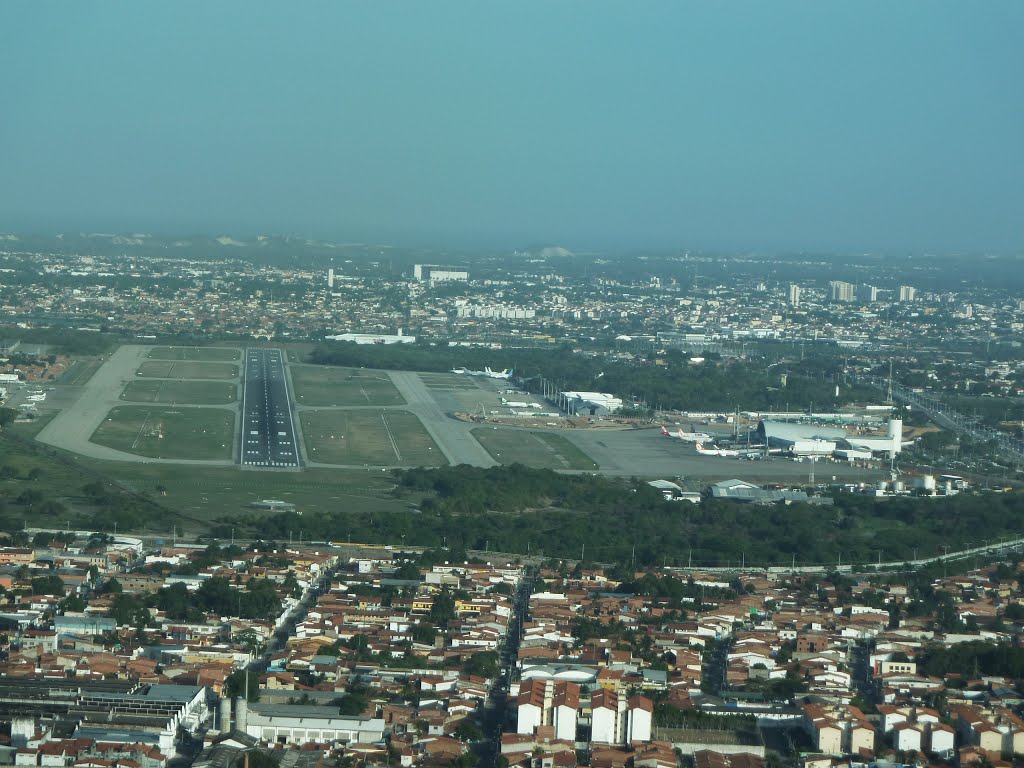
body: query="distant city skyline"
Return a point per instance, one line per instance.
(873, 127)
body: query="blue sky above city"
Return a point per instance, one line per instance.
(595, 125)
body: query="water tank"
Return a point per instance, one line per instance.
(928, 482)
(882, 485)
(898, 486)
(241, 713)
(224, 714)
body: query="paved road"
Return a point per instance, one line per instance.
(268, 431)
(72, 427)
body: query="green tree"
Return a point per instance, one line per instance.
(30, 496)
(50, 584)
(353, 703)
(442, 610)
(483, 664)
(235, 685)
(423, 633)
(72, 603)
(408, 571)
(7, 416)
(128, 610)
(468, 730)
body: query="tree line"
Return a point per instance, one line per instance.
(666, 380)
(610, 520)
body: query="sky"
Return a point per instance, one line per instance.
(784, 125)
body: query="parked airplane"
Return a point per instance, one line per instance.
(687, 437)
(702, 451)
(486, 372)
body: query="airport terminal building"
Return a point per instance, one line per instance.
(808, 439)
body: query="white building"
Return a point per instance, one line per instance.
(431, 274)
(794, 295)
(618, 720)
(299, 724)
(908, 737)
(867, 293)
(548, 702)
(604, 719)
(374, 338)
(842, 291)
(565, 709)
(589, 403)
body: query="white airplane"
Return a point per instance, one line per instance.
(687, 437)
(505, 374)
(702, 451)
(486, 372)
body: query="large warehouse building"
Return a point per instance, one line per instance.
(589, 403)
(816, 440)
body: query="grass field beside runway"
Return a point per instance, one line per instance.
(374, 437)
(533, 449)
(208, 354)
(330, 386)
(175, 391)
(211, 494)
(169, 369)
(166, 433)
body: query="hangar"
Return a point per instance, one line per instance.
(807, 439)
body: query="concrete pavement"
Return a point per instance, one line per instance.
(72, 427)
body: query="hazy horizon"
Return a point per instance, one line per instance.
(791, 127)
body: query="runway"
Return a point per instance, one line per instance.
(268, 430)
(268, 411)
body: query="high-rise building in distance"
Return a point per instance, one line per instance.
(840, 291)
(432, 274)
(867, 293)
(907, 293)
(794, 295)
